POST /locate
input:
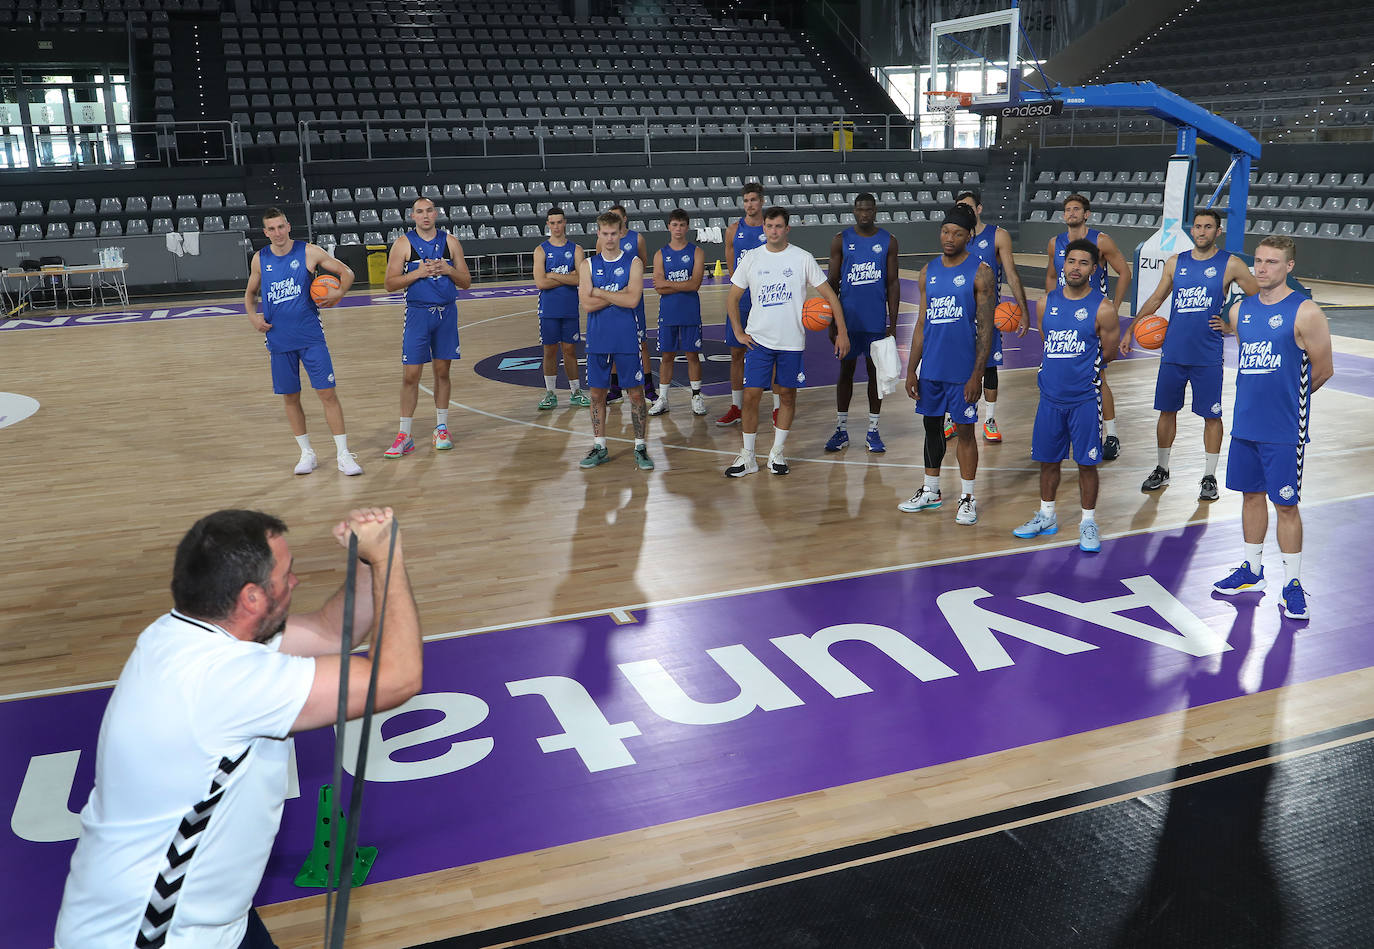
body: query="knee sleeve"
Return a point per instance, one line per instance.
(935, 440)
(990, 377)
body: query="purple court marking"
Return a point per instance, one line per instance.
(543, 735)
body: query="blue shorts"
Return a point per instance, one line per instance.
(995, 354)
(939, 398)
(731, 339)
(431, 332)
(679, 339)
(1271, 468)
(1205, 382)
(627, 366)
(859, 343)
(286, 369)
(555, 330)
(1057, 424)
(760, 363)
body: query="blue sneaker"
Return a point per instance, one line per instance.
(838, 440)
(1088, 538)
(1242, 580)
(1295, 601)
(875, 442)
(1039, 524)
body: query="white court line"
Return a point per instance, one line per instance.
(766, 587)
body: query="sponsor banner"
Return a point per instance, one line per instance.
(544, 735)
(1173, 236)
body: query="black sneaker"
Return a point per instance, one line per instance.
(1209, 488)
(1111, 447)
(1158, 479)
(614, 395)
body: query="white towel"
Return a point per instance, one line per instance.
(191, 241)
(885, 360)
(174, 244)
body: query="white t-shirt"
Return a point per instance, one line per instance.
(192, 758)
(777, 283)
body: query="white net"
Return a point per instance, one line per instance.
(944, 105)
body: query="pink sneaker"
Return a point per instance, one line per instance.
(403, 445)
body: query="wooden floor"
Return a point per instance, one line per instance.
(144, 427)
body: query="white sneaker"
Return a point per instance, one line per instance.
(348, 464)
(968, 511)
(925, 500)
(307, 464)
(745, 464)
(776, 462)
(660, 406)
(698, 404)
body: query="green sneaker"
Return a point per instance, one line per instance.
(642, 459)
(580, 400)
(599, 455)
(550, 401)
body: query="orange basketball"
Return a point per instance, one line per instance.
(1007, 317)
(322, 286)
(816, 313)
(1149, 332)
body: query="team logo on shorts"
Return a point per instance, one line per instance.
(971, 412)
(577, 337)
(1081, 313)
(331, 377)
(1275, 321)
(1092, 454)
(1216, 407)
(996, 357)
(639, 376)
(1286, 492)
(1210, 272)
(959, 280)
(801, 377)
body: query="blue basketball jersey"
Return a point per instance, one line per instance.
(431, 291)
(1273, 381)
(629, 244)
(747, 237)
(1198, 296)
(679, 309)
(612, 329)
(863, 280)
(286, 302)
(1098, 279)
(560, 303)
(950, 337)
(983, 245)
(1072, 366)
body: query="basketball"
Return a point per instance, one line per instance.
(322, 286)
(1149, 332)
(1007, 317)
(816, 313)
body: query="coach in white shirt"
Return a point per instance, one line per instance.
(776, 275)
(190, 772)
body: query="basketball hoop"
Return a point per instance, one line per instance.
(945, 103)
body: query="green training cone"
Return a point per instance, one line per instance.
(315, 872)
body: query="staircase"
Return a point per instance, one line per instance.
(1004, 188)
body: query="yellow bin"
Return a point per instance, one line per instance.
(843, 137)
(376, 264)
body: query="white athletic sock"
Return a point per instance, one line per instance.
(966, 486)
(749, 442)
(550, 383)
(872, 422)
(663, 393)
(1254, 555)
(441, 417)
(696, 387)
(737, 398)
(842, 421)
(599, 441)
(1090, 515)
(1212, 459)
(932, 484)
(639, 443)
(1110, 426)
(777, 401)
(405, 424)
(304, 442)
(1292, 565)
(779, 436)
(989, 410)
(1047, 508)
(341, 445)
(1162, 457)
